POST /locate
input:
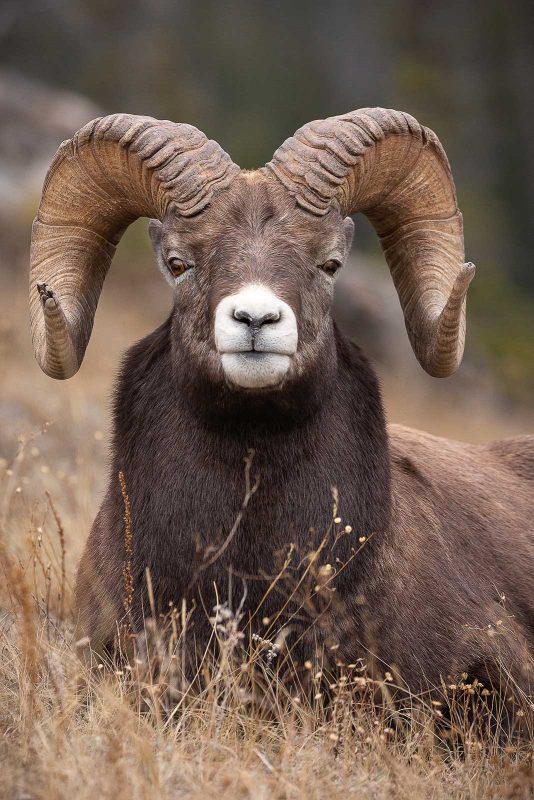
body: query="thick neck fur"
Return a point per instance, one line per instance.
(254, 414)
(181, 444)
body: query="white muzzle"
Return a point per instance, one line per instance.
(256, 336)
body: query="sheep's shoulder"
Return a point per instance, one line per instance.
(515, 454)
(469, 487)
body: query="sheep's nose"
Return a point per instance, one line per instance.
(255, 321)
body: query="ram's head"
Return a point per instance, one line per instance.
(252, 255)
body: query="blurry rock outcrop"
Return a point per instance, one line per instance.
(368, 311)
(34, 120)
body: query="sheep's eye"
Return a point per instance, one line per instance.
(178, 266)
(330, 267)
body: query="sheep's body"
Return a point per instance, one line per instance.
(458, 594)
(442, 584)
(249, 366)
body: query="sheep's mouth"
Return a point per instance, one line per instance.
(254, 352)
(255, 369)
(257, 355)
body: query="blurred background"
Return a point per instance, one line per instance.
(248, 73)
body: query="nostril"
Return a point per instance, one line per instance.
(255, 321)
(242, 316)
(269, 318)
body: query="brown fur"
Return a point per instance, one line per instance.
(443, 581)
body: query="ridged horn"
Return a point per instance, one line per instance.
(114, 170)
(388, 166)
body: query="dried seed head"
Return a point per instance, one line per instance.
(325, 571)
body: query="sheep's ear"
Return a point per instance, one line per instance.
(348, 230)
(155, 229)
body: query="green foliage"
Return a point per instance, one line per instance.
(502, 322)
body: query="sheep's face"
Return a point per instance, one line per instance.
(253, 276)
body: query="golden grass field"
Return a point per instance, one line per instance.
(124, 733)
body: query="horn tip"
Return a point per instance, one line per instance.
(469, 271)
(54, 345)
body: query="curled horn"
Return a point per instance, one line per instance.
(114, 170)
(387, 165)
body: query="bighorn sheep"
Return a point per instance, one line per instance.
(437, 556)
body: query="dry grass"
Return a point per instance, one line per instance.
(137, 731)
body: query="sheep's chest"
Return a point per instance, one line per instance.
(227, 516)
